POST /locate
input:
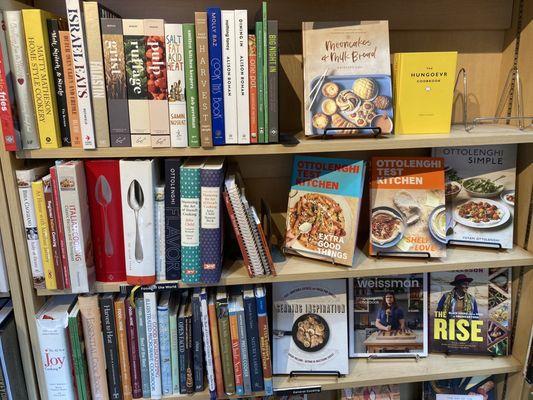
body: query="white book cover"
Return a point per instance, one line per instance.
(160, 268)
(137, 180)
(24, 179)
(206, 332)
(152, 338)
(18, 62)
(177, 107)
(83, 86)
(4, 282)
(229, 75)
(241, 58)
(77, 225)
(52, 322)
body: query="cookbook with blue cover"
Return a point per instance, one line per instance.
(324, 206)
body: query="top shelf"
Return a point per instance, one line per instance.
(481, 135)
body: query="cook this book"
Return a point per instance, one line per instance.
(309, 326)
(470, 312)
(347, 77)
(480, 194)
(323, 209)
(407, 216)
(388, 314)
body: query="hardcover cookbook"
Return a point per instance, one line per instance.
(407, 215)
(388, 315)
(323, 210)
(347, 77)
(470, 311)
(383, 392)
(471, 388)
(480, 194)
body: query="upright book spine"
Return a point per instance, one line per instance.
(273, 129)
(241, 56)
(264, 23)
(152, 343)
(159, 204)
(189, 361)
(177, 107)
(225, 345)
(18, 62)
(243, 345)
(174, 349)
(229, 75)
(208, 353)
(252, 338)
(143, 347)
(260, 83)
(122, 342)
(215, 76)
(137, 82)
(79, 55)
(181, 352)
(79, 363)
(172, 219)
(215, 344)
(59, 77)
(252, 86)
(92, 13)
(264, 339)
(235, 349)
(164, 349)
(190, 224)
(110, 345)
(156, 71)
(133, 349)
(191, 85)
(197, 346)
(202, 69)
(54, 182)
(115, 83)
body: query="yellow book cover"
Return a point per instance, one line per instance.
(40, 66)
(424, 85)
(43, 231)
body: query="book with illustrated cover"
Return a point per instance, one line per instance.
(408, 216)
(347, 77)
(383, 392)
(480, 194)
(309, 326)
(324, 206)
(388, 314)
(470, 311)
(471, 388)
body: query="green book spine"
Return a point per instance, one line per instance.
(260, 87)
(191, 85)
(225, 347)
(264, 46)
(173, 320)
(77, 361)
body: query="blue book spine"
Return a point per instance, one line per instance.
(215, 75)
(265, 350)
(172, 219)
(181, 355)
(232, 306)
(252, 338)
(191, 267)
(143, 352)
(164, 349)
(197, 345)
(243, 344)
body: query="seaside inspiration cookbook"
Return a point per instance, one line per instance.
(347, 77)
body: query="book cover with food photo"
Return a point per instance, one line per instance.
(309, 327)
(480, 194)
(323, 209)
(383, 392)
(387, 315)
(347, 77)
(471, 388)
(408, 216)
(470, 311)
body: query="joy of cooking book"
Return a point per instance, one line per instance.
(347, 77)
(323, 209)
(480, 194)
(408, 216)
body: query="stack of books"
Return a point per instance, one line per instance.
(152, 343)
(95, 80)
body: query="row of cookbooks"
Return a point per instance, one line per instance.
(152, 343)
(96, 80)
(136, 221)
(418, 205)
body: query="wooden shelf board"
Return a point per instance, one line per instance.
(481, 135)
(300, 268)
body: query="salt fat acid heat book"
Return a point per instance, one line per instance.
(323, 210)
(347, 76)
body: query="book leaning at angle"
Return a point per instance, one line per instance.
(424, 84)
(324, 206)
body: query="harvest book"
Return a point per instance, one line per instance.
(323, 209)
(347, 77)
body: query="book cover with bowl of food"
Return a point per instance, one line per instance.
(347, 77)
(407, 207)
(323, 208)
(480, 194)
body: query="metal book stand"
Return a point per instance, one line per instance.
(414, 356)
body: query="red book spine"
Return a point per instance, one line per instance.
(133, 350)
(54, 235)
(6, 113)
(103, 191)
(60, 227)
(252, 86)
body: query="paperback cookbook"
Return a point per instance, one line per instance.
(324, 206)
(309, 326)
(480, 194)
(408, 214)
(347, 77)
(470, 311)
(383, 392)
(470, 388)
(388, 315)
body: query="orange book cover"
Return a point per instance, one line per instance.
(123, 355)
(217, 362)
(408, 213)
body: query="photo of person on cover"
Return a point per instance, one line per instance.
(458, 300)
(390, 315)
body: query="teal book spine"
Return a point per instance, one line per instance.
(143, 351)
(191, 85)
(260, 86)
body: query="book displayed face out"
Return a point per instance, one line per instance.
(388, 315)
(470, 388)
(383, 392)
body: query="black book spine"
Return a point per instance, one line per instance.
(181, 354)
(172, 219)
(273, 124)
(189, 354)
(252, 338)
(59, 80)
(110, 346)
(197, 344)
